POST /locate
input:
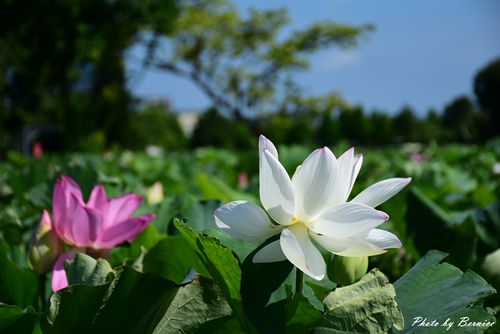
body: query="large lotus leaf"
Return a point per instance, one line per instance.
(136, 303)
(368, 306)
(129, 253)
(15, 320)
(487, 223)
(201, 219)
(428, 224)
(225, 325)
(201, 214)
(316, 291)
(242, 248)
(84, 269)
(18, 286)
(220, 263)
(263, 289)
(72, 310)
(212, 187)
(196, 304)
(432, 228)
(171, 207)
(301, 314)
(437, 291)
(172, 258)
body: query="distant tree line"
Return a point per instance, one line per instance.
(63, 79)
(461, 121)
(328, 119)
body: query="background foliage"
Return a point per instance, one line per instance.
(450, 206)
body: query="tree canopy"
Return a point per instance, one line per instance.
(487, 88)
(243, 62)
(62, 62)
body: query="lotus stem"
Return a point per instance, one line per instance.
(299, 280)
(43, 296)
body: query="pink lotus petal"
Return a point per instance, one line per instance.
(45, 222)
(95, 223)
(121, 208)
(98, 198)
(59, 209)
(124, 231)
(85, 223)
(79, 224)
(66, 191)
(59, 279)
(63, 207)
(71, 187)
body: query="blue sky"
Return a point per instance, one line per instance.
(423, 53)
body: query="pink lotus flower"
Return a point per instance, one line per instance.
(96, 226)
(417, 157)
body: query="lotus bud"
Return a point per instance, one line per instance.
(44, 246)
(155, 193)
(37, 150)
(346, 270)
(243, 180)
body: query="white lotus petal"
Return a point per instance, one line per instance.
(358, 162)
(266, 144)
(344, 176)
(348, 170)
(269, 253)
(347, 220)
(382, 239)
(299, 250)
(314, 184)
(380, 192)
(276, 193)
(348, 246)
(245, 220)
(373, 242)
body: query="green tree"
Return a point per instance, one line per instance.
(309, 119)
(381, 129)
(487, 88)
(405, 125)
(431, 128)
(155, 125)
(243, 63)
(329, 131)
(354, 125)
(214, 129)
(62, 62)
(459, 117)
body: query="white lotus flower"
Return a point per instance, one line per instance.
(313, 204)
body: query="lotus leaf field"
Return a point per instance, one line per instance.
(180, 273)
